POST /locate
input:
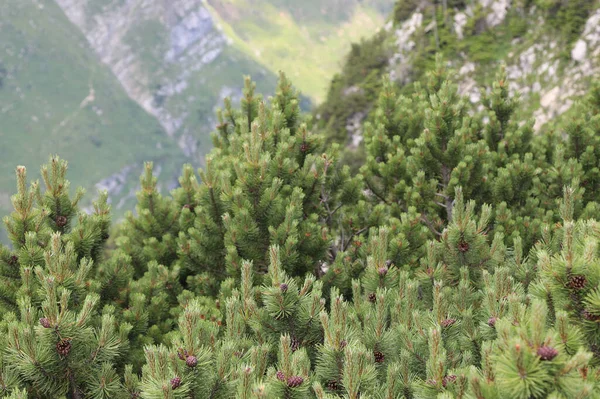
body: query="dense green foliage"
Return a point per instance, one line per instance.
(454, 254)
(461, 262)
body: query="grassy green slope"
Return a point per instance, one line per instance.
(56, 97)
(306, 39)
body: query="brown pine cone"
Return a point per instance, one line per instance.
(372, 297)
(175, 382)
(295, 381)
(463, 246)
(547, 352)
(191, 361)
(577, 281)
(448, 322)
(61, 221)
(590, 316)
(280, 375)
(447, 379)
(45, 322)
(63, 347)
(379, 357)
(294, 344)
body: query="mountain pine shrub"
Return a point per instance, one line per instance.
(462, 262)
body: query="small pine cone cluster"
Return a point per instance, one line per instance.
(61, 221)
(191, 361)
(447, 322)
(343, 344)
(45, 322)
(182, 353)
(295, 381)
(333, 385)
(463, 246)
(63, 347)
(295, 344)
(547, 352)
(304, 147)
(577, 281)
(283, 287)
(379, 357)
(492, 321)
(372, 297)
(448, 379)
(175, 382)
(280, 375)
(382, 271)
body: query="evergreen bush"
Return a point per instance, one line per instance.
(462, 262)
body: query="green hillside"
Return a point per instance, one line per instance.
(55, 97)
(306, 39)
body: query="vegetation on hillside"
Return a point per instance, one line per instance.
(278, 274)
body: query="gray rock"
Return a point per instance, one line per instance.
(579, 50)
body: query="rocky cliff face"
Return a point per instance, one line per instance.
(549, 68)
(535, 65)
(152, 47)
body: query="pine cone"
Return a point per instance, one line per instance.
(590, 316)
(175, 382)
(190, 207)
(61, 221)
(379, 357)
(63, 347)
(283, 287)
(547, 352)
(13, 260)
(295, 381)
(304, 147)
(595, 350)
(295, 344)
(372, 297)
(577, 281)
(191, 361)
(388, 263)
(343, 344)
(448, 322)
(280, 375)
(382, 271)
(492, 321)
(45, 323)
(463, 246)
(447, 379)
(333, 385)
